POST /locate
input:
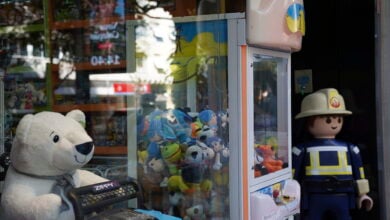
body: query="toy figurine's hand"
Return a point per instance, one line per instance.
(365, 201)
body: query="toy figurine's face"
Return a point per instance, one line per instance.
(326, 126)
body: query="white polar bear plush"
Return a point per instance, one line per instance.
(46, 156)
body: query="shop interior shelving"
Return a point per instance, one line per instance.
(49, 25)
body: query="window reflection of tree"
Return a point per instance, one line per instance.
(201, 88)
(20, 12)
(178, 42)
(265, 96)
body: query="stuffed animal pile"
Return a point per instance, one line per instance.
(46, 156)
(187, 155)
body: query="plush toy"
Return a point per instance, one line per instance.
(195, 208)
(142, 156)
(194, 166)
(209, 118)
(175, 199)
(271, 163)
(172, 154)
(156, 134)
(180, 122)
(157, 165)
(205, 133)
(47, 153)
(195, 212)
(196, 127)
(223, 124)
(193, 170)
(222, 153)
(159, 133)
(258, 167)
(159, 130)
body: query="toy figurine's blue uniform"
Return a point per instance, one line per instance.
(327, 170)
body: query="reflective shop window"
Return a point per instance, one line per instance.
(161, 121)
(182, 132)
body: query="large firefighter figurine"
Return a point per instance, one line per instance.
(329, 170)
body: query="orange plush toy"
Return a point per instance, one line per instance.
(270, 163)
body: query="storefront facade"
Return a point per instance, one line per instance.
(152, 81)
(64, 55)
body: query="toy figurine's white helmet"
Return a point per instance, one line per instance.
(323, 102)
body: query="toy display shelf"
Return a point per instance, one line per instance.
(90, 108)
(102, 148)
(80, 26)
(116, 106)
(110, 150)
(21, 28)
(89, 66)
(177, 9)
(62, 25)
(81, 67)
(20, 72)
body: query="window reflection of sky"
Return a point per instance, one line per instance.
(189, 30)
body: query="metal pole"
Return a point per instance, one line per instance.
(2, 121)
(2, 113)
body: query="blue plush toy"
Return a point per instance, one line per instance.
(179, 123)
(209, 118)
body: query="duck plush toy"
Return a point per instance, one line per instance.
(47, 153)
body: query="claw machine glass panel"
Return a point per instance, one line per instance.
(181, 135)
(268, 86)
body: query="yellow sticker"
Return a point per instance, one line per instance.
(333, 99)
(295, 18)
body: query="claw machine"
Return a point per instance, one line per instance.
(211, 138)
(274, 30)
